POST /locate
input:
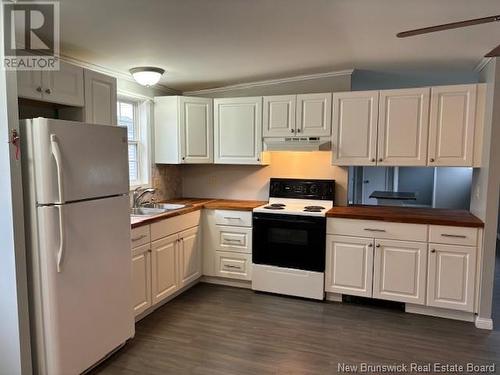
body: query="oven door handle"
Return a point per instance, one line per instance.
(285, 220)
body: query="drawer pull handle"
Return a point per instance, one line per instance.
(138, 238)
(232, 240)
(453, 235)
(231, 266)
(374, 230)
(231, 218)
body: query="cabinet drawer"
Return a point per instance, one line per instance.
(140, 236)
(233, 218)
(233, 265)
(175, 224)
(377, 229)
(234, 239)
(453, 235)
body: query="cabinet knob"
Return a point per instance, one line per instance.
(431, 160)
(433, 250)
(292, 130)
(298, 130)
(378, 245)
(48, 91)
(373, 160)
(183, 158)
(39, 89)
(370, 245)
(380, 159)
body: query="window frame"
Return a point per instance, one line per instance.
(142, 124)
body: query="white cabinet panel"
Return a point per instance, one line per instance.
(403, 127)
(165, 280)
(238, 130)
(349, 265)
(141, 278)
(140, 236)
(189, 256)
(279, 116)
(233, 218)
(399, 271)
(64, 86)
(314, 115)
(452, 121)
(29, 84)
(100, 98)
(196, 130)
(354, 135)
(233, 265)
(452, 271)
(236, 239)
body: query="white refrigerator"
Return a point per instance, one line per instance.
(75, 182)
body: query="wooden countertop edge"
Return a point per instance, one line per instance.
(199, 203)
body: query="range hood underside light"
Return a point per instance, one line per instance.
(297, 144)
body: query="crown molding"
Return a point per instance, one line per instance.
(481, 64)
(269, 82)
(111, 72)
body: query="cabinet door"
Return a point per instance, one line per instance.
(196, 130)
(314, 115)
(354, 136)
(403, 126)
(141, 278)
(100, 98)
(165, 280)
(452, 122)
(279, 116)
(399, 271)
(29, 84)
(349, 265)
(452, 271)
(238, 130)
(64, 86)
(189, 256)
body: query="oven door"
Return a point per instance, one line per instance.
(291, 241)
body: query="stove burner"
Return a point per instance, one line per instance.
(274, 207)
(314, 208)
(277, 205)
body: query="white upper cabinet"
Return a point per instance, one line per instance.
(354, 135)
(183, 130)
(63, 86)
(238, 130)
(452, 121)
(452, 271)
(402, 127)
(314, 115)
(279, 116)
(100, 98)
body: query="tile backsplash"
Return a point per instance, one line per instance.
(167, 181)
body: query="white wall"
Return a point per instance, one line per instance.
(486, 183)
(252, 182)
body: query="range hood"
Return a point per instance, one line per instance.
(298, 144)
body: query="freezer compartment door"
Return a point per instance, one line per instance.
(87, 301)
(75, 161)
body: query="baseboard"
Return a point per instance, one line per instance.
(167, 299)
(439, 312)
(333, 297)
(484, 323)
(227, 282)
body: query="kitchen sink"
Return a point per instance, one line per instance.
(147, 211)
(165, 206)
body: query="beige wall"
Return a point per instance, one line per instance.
(486, 184)
(252, 182)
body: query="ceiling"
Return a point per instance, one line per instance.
(210, 43)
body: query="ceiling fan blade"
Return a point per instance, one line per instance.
(494, 52)
(448, 26)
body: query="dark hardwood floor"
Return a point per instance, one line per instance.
(222, 330)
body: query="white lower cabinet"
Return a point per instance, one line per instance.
(399, 271)
(141, 276)
(165, 270)
(452, 272)
(189, 256)
(233, 265)
(349, 265)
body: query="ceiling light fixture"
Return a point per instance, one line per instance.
(147, 75)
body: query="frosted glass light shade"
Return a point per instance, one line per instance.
(147, 75)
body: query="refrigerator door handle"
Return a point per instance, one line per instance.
(56, 151)
(60, 252)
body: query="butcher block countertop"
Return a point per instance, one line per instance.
(195, 204)
(435, 216)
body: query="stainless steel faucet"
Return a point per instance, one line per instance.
(139, 193)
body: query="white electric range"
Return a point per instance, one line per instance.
(289, 238)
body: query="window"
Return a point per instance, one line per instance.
(130, 115)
